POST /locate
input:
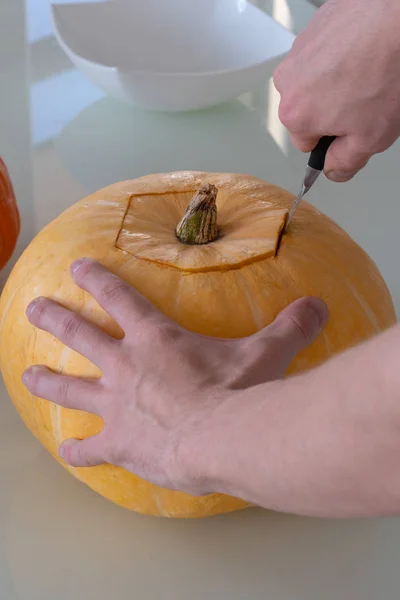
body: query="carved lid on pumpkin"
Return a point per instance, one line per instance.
(249, 230)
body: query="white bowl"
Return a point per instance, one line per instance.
(171, 55)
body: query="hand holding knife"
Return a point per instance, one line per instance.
(314, 168)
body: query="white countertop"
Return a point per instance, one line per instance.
(58, 539)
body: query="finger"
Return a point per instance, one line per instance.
(113, 294)
(83, 453)
(277, 76)
(71, 329)
(69, 392)
(345, 158)
(296, 327)
(303, 134)
(305, 143)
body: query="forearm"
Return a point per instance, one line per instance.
(326, 443)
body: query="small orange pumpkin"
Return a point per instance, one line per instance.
(9, 216)
(229, 279)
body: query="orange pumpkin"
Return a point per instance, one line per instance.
(230, 287)
(9, 217)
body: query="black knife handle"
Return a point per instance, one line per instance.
(317, 156)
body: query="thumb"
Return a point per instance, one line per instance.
(345, 157)
(295, 328)
(82, 453)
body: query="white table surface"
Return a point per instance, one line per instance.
(58, 539)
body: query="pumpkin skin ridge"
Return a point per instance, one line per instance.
(170, 290)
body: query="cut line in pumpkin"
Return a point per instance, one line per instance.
(249, 231)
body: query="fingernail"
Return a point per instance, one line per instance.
(319, 310)
(77, 265)
(32, 306)
(66, 444)
(27, 375)
(340, 176)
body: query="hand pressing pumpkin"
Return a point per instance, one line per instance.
(160, 382)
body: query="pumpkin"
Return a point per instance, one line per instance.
(214, 261)
(9, 216)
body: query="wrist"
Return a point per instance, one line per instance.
(214, 451)
(201, 446)
(324, 443)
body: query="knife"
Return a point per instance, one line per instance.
(315, 166)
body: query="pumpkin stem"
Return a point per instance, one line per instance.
(199, 223)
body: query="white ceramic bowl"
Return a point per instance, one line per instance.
(171, 55)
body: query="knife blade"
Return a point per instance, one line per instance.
(315, 166)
